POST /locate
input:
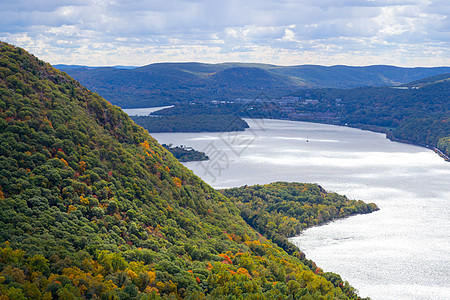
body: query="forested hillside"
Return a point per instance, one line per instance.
(91, 207)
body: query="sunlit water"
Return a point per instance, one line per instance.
(143, 111)
(399, 252)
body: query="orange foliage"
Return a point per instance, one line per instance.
(177, 181)
(226, 258)
(146, 145)
(243, 271)
(82, 166)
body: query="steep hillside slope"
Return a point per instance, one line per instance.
(92, 207)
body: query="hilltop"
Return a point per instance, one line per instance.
(91, 206)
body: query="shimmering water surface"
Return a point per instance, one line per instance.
(143, 111)
(399, 252)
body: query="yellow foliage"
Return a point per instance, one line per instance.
(71, 208)
(8, 255)
(72, 272)
(84, 201)
(131, 274)
(137, 266)
(152, 277)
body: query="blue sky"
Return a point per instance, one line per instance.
(285, 32)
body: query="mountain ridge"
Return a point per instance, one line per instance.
(168, 83)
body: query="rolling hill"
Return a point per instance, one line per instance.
(169, 83)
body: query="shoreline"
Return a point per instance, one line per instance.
(372, 128)
(389, 135)
(435, 149)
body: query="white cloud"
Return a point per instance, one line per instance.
(138, 32)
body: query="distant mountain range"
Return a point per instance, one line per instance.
(169, 83)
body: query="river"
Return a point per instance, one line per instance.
(399, 252)
(144, 111)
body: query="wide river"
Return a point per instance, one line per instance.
(399, 252)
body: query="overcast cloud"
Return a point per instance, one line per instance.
(285, 32)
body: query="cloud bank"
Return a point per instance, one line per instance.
(285, 32)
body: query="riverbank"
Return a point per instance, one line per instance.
(389, 135)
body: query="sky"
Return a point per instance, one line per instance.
(406, 33)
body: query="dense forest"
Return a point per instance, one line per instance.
(191, 123)
(92, 207)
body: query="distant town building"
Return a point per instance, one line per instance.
(289, 100)
(310, 101)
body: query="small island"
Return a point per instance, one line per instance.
(185, 154)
